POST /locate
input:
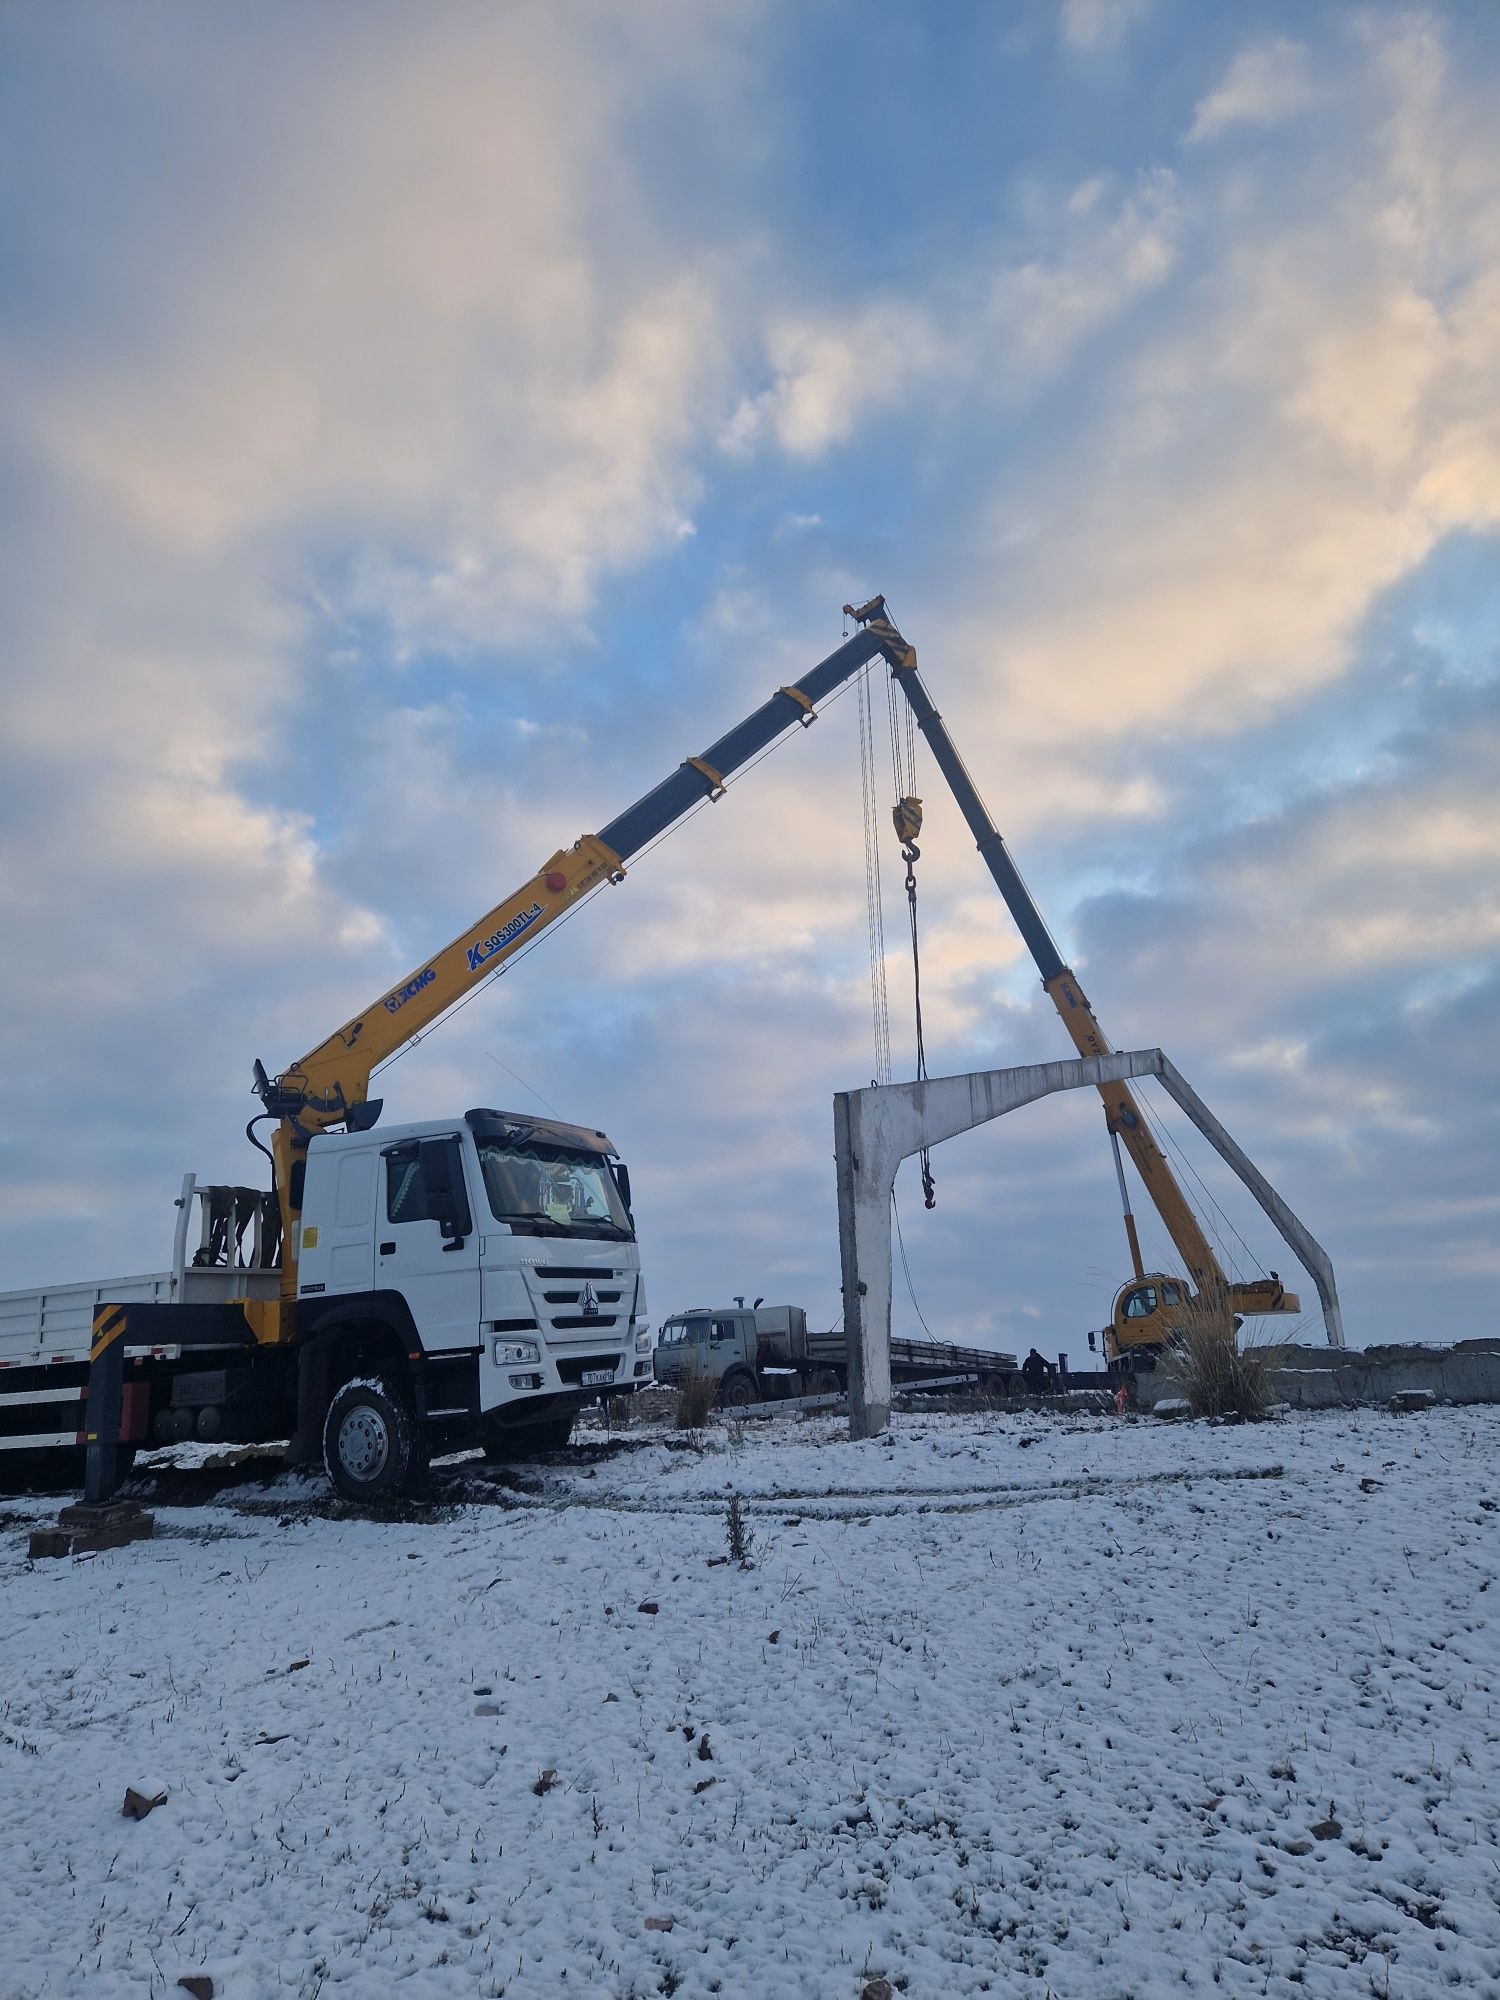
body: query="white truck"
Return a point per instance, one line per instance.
(760, 1353)
(464, 1282)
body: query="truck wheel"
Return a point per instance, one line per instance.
(373, 1448)
(738, 1391)
(505, 1442)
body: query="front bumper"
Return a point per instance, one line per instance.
(580, 1373)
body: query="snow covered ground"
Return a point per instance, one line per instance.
(1006, 1704)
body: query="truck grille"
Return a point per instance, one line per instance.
(558, 1294)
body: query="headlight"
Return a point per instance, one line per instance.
(643, 1342)
(512, 1353)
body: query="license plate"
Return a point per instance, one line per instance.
(594, 1377)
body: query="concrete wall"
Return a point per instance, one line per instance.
(1326, 1378)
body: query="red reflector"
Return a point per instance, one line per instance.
(557, 881)
(135, 1402)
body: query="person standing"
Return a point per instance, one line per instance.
(1036, 1373)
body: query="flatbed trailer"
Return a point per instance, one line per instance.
(916, 1360)
(50, 1334)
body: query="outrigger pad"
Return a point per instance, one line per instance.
(84, 1528)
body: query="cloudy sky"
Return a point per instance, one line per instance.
(421, 427)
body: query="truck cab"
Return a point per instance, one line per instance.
(487, 1263)
(459, 1282)
(749, 1351)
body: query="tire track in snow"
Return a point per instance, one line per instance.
(852, 1503)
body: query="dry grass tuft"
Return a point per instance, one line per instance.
(737, 1529)
(1220, 1378)
(696, 1395)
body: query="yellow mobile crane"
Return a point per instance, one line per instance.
(1154, 1306)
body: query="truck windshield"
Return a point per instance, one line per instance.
(547, 1191)
(678, 1331)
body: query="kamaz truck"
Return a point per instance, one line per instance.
(763, 1353)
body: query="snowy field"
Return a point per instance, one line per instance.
(1012, 1705)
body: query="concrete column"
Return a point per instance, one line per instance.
(865, 1258)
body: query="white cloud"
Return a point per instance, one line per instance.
(1314, 420)
(1011, 323)
(405, 323)
(1090, 25)
(830, 374)
(1105, 249)
(1262, 86)
(432, 348)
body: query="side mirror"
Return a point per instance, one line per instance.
(447, 1199)
(622, 1181)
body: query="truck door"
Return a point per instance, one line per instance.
(351, 1241)
(427, 1254)
(726, 1346)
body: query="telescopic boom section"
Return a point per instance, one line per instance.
(1122, 1111)
(330, 1085)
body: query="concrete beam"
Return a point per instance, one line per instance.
(1313, 1258)
(876, 1129)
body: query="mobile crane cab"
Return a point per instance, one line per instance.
(1155, 1311)
(1148, 1314)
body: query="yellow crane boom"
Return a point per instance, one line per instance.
(330, 1085)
